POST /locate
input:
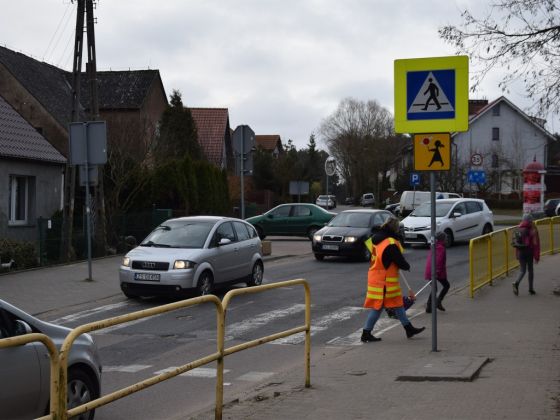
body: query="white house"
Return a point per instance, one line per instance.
(506, 138)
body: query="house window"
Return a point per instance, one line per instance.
(19, 200)
(495, 161)
(496, 110)
(495, 133)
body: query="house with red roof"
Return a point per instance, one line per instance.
(214, 135)
(271, 143)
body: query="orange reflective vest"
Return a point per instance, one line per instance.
(383, 289)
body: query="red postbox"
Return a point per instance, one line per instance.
(533, 187)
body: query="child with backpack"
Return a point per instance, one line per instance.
(527, 248)
(441, 271)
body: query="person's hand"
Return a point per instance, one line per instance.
(411, 295)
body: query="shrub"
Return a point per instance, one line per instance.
(24, 254)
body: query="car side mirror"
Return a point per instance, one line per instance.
(457, 214)
(22, 328)
(224, 241)
(270, 216)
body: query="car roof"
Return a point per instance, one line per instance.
(371, 211)
(214, 219)
(457, 200)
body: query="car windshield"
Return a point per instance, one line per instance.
(424, 210)
(179, 234)
(358, 220)
(322, 197)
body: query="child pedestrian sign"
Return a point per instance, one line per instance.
(431, 94)
(432, 152)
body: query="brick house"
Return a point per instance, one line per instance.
(214, 136)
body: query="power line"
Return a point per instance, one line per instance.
(56, 30)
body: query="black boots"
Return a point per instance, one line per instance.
(411, 331)
(367, 337)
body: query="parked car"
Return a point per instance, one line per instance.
(193, 254)
(368, 199)
(326, 201)
(296, 219)
(459, 218)
(346, 233)
(552, 207)
(333, 198)
(349, 201)
(412, 199)
(25, 370)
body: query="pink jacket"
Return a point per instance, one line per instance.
(532, 240)
(441, 264)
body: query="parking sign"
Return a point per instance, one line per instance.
(414, 179)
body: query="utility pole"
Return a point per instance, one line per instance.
(91, 68)
(66, 249)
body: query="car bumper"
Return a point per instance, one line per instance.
(175, 280)
(419, 237)
(343, 249)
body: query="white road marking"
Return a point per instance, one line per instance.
(196, 373)
(126, 324)
(240, 328)
(254, 376)
(90, 312)
(321, 324)
(381, 326)
(127, 369)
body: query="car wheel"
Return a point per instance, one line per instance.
(260, 232)
(81, 390)
(448, 238)
(311, 232)
(487, 229)
(256, 276)
(205, 283)
(319, 257)
(130, 295)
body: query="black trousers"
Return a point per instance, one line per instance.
(444, 290)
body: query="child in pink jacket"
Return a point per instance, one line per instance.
(441, 271)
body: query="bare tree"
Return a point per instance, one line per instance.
(521, 37)
(361, 138)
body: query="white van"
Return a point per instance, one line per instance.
(412, 199)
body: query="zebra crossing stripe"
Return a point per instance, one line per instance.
(126, 369)
(239, 328)
(321, 324)
(195, 373)
(89, 312)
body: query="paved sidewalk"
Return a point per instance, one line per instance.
(520, 336)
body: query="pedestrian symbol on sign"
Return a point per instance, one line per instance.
(431, 152)
(431, 95)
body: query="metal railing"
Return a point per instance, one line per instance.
(59, 359)
(492, 255)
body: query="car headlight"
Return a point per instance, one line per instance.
(317, 238)
(350, 239)
(126, 261)
(183, 265)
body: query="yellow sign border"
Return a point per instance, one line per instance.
(460, 64)
(446, 137)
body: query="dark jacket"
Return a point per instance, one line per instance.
(392, 253)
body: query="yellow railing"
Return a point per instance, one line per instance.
(59, 359)
(492, 256)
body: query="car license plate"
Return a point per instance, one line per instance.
(146, 277)
(330, 247)
(410, 235)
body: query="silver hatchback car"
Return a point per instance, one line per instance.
(25, 370)
(193, 254)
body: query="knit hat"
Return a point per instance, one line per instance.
(527, 217)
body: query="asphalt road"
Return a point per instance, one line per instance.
(138, 350)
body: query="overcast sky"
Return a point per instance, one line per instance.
(280, 66)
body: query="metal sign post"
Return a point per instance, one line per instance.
(330, 169)
(433, 262)
(88, 146)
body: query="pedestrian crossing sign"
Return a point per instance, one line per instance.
(432, 152)
(431, 94)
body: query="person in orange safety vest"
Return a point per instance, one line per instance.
(383, 290)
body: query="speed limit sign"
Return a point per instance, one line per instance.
(330, 166)
(476, 159)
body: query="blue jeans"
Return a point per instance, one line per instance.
(374, 314)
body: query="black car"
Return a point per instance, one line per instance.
(550, 207)
(346, 233)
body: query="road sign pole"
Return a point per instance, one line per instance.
(88, 207)
(242, 173)
(433, 249)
